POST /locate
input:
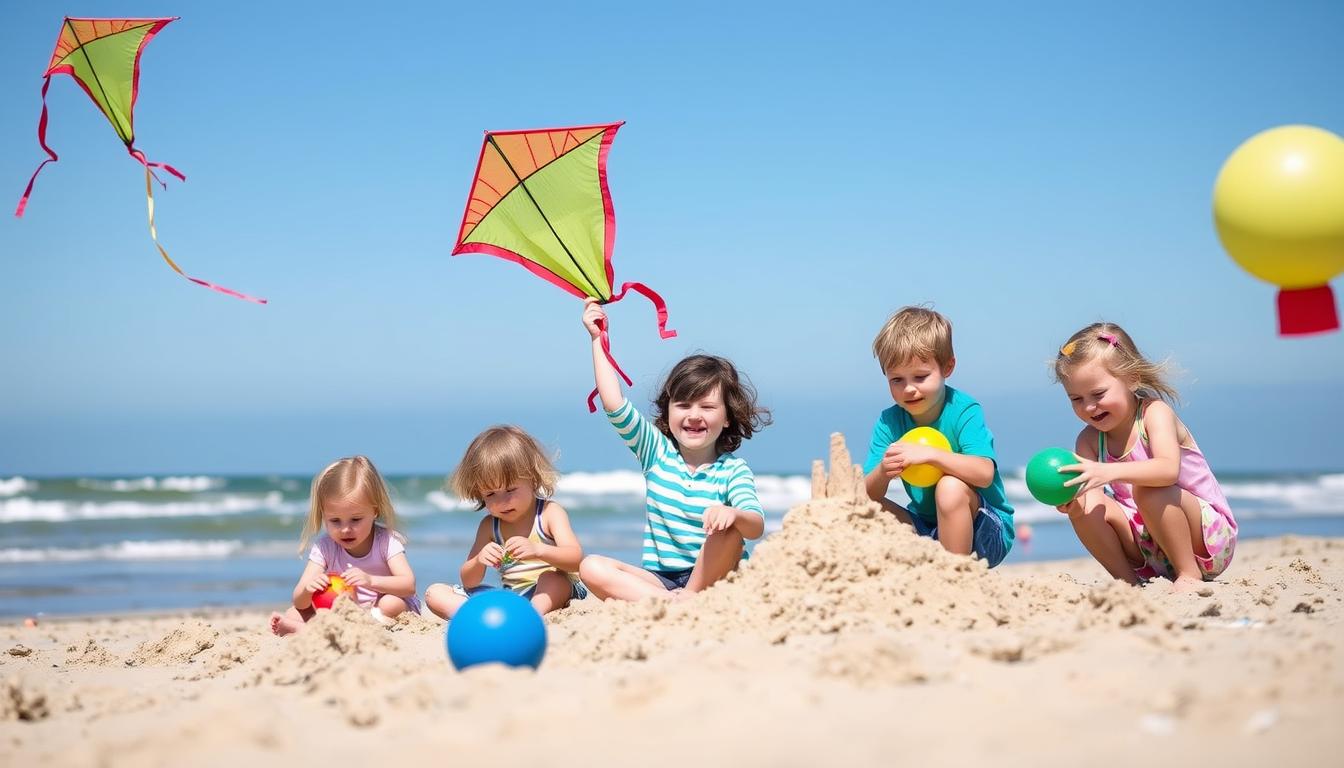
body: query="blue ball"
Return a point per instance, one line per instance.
(496, 627)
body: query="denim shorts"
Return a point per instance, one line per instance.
(988, 535)
(672, 579)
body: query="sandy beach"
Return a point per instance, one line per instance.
(844, 638)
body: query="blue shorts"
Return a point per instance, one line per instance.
(577, 590)
(989, 538)
(672, 579)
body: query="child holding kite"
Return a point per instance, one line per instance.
(1168, 516)
(701, 501)
(525, 534)
(349, 500)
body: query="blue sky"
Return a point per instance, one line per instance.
(788, 176)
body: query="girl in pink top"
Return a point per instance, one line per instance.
(350, 502)
(1166, 515)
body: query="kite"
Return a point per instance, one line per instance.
(540, 199)
(103, 56)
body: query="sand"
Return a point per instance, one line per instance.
(844, 638)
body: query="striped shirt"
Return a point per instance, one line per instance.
(675, 497)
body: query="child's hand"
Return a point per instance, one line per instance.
(593, 317)
(1091, 474)
(317, 584)
(895, 460)
(355, 577)
(522, 548)
(719, 518)
(491, 555)
(914, 453)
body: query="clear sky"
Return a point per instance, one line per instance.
(787, 177)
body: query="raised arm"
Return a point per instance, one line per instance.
(608, 385)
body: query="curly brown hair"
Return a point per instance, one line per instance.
(698, 375)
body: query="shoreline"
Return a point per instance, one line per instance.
(841, 618)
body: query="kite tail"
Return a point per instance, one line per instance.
(138, 155)
(41, 139)
(659, 306)
(153, 233)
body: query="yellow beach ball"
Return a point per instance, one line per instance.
(924, 475)
(1278, 206)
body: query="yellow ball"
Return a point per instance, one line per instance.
(1278, 206)
(924, 475)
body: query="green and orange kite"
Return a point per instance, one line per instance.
(103, 56)
(540, 199)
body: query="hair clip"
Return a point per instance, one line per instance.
(1109, 338)
(1067, 349)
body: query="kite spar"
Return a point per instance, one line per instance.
(540, 199)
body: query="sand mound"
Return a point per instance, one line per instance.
(840, 566)
(325, 645)
(89, 654)
(177, 647)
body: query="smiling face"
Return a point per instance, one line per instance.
(697, 423)
(919, 386)
(511, 501)
(349, 522)
(1099, 398)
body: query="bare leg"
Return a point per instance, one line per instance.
(553, 592)
(391, 606)
(290, 621)
(720, 554)
(610, 579)
(1175, 522)
(957, 505)
(1102, 527)
(443, 600)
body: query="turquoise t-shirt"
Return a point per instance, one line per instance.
(962, 422)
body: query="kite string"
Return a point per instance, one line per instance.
(41, 139)
(154, 235)
(659, 306)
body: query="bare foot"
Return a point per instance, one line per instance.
(282, 625)
(1187, 584)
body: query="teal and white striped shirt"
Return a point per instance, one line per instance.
(675, 497)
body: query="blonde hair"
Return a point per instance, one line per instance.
(354, 478)
(914, 332)
(1108, 343)
(501, 455)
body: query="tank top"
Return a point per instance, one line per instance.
(521, 575)
(1194, 474)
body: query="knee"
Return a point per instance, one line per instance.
(953, 496)
(391, 605)
(437, 595)
(1084, 504)
(594, 569)
(553, 580)
(1147, 496)
(730, 537)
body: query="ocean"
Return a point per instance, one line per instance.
(92, 545)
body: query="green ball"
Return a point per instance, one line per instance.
(1046, 482)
